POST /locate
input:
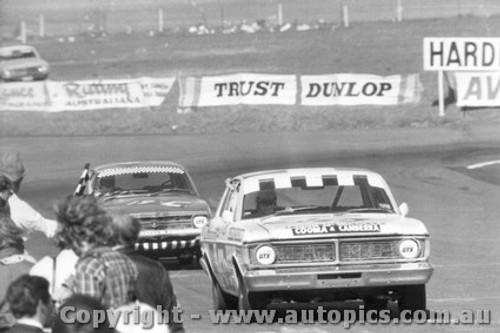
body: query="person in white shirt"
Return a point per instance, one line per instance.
(23, 215)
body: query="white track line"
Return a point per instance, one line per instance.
(483, 164)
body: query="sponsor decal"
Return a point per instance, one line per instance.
(330, 228)
(235, 234)
(177, 204)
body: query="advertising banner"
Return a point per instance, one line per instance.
(55, 96)
(24, 96)
(244, 88)
(461, 53)
(477, 89)
(358, 89)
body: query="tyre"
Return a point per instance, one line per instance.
(185, 259)
(250, 301)
(411, 299)
(221, 300)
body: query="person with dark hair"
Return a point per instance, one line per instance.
(154, 286)
(266, 202)
(67, 322)
(5, 191)
(13, 262)
(23, 215)
(29, 301)
(100, 272)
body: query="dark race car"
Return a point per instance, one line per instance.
(162, 196)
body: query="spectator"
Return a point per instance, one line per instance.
(57, 270)
(14, 262)
(67, 322)
(23, 215)
(5, 190)
(153, 281)
(100, 272)
(30, 303)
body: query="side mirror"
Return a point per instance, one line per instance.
(227, 216)
(404, 209)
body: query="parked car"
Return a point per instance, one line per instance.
(317, 234)
(22, 63)
(162, 196)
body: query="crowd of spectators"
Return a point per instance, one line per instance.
(96, 270)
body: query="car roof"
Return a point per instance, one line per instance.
(282, 178)
(8, 49)
(138, 164)
(306, 172)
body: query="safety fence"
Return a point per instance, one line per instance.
(43, 18)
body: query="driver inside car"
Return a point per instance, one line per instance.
(266, 202)
(107, 185)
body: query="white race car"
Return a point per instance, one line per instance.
(317, 234)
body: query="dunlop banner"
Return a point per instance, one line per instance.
(244, 88)
(358, 89)
(477, 89)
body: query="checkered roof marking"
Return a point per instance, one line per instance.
(283, 179)
(132, 170)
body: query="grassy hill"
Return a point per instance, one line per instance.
(381, 48)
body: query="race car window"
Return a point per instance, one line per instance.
(229, 207)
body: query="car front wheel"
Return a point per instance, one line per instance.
(411, 299)
(221, 300)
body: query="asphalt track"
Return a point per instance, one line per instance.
(427, 168)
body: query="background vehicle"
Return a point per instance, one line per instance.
(162, 196)
(330, 235)
(22, 63)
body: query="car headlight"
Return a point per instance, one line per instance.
(43, 69)
(265, 255)
(199, 221)
(6, 73)
(409, 248)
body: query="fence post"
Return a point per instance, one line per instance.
(399, 11)
(345, 16)
(22, 35)
(160, 20)
(441, 92)
(280, 14)
(41, 25)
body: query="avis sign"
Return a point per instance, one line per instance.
(461, 54)
(479, 89)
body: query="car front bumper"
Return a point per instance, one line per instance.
(352, 276)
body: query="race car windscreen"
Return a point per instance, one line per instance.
(144, 183)
(321, 199)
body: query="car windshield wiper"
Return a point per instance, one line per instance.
(369, 210)
(166, 190)
(110, 195)
(291, 210)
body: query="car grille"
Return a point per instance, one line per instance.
(169, 223)
(366, 251)
(304, 253)
(343, 251)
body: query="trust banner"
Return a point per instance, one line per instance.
(243, 88)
